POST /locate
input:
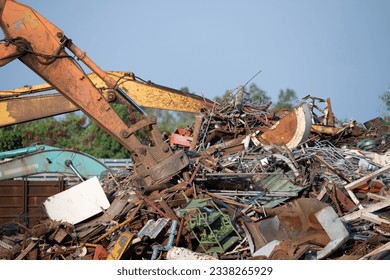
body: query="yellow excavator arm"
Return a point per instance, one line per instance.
(41, 102)
(44, 48)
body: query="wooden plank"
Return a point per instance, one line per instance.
(375, 196)
(342, 176)
(334, 170)
(355, 199)
(374, 218)
(26, 250)
(344, 200)
(198, 123)
(382, 248)
(322, 193)
(370, 176)
(372, 208)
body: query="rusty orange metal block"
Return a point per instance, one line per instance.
(292, 130)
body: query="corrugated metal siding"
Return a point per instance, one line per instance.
(23, 199)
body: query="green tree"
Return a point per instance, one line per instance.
(385, 97)
(73, 131)
(255, 94)
(11, 138)
(287, 99)
(224, 98)
(95, 141)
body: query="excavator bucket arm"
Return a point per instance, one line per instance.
(44, 47)
(15, 103)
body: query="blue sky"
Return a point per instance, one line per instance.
(336, 48)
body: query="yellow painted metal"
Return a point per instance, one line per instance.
(5, 116)
(25, 90)
(151, 95)
(120, 245)
(146, 94)
(326, 130)
(18, 110)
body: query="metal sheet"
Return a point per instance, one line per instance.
(335, 230)
(120, 245)
(295, 222)
(292, 130)
(23, 199)
(153, 228)
(78, 203)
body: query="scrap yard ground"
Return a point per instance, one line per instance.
(324, 197)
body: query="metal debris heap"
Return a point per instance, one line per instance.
(259, 186)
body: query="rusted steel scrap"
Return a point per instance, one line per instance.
(258, 186)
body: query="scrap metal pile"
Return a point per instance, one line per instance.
(298, 185)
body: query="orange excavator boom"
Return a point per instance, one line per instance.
(44, 48)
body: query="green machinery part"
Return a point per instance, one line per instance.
(212, 228)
